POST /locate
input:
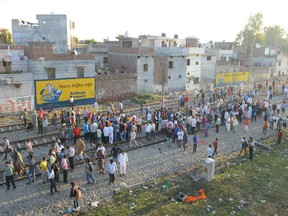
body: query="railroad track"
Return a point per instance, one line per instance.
(141, 140)
(20, 125)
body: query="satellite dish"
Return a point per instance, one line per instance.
(75, 52)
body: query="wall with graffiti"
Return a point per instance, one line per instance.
(16, 104)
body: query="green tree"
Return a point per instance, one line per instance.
(91, 41)
(247, 37)
(274, 36)
(5, 36)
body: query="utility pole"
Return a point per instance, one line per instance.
(163, 80)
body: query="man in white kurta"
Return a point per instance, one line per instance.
(123, 161)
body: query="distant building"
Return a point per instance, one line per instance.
(56, 28)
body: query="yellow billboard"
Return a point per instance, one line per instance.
(231, 77)
(55, 93)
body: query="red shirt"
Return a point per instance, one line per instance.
(76, 131)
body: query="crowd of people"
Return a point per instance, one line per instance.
(195, 115)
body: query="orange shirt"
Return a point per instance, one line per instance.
(76, 131)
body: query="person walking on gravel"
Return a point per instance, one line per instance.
(89, 171)
(75, 195)
(80, 148)
(9, 177)
(123, 161)
(251, 147)
(195, 142)
(111, 169)
(51, 178)
(44, 170)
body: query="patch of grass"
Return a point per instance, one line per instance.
(240, 187)
(146, 98)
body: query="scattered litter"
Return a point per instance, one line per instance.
(166, 186)
(188, 199)
(130, 191)
(220, 199)
(255, 177)
(231, 199)
(286, 167)
(263, 201)
(145, 187)
(172, 199)
(95, 204)
(239, 208)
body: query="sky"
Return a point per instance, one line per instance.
(215, 20)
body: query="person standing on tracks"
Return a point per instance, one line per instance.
(111, 169)
(106, 133)
(76, 133)
(71, 102)
(100, 161)
(115, 152)
(70, 154)
(51, 178)
(175, 133)
(86, 132)
(45, 124)
(195, 142)
(215, 145)
(93, 132)
(246, 124)
(85, 114)
(44, 170)
(31, 169)
(9, 176)
(40, 125)
(64, 168)
(110, 133)
(34, 119)
(25, 117)
(138, 124)
(132, 139)
(80, 148)
(123, 161)
(120, 107)
(148, 131)
(169, 135)
(89, 171)
(54, 121)
(29, 146)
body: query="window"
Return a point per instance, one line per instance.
(196, 80)
(145, 67)
(279, 63)
(197, 55)
(188, 62)
(197, 63)
(180, 76)
(146, 80)
(51, 73)
(188, 74)
(208, 58)
(80, 72)
(169, 77)
(105, 59)
(170, 64)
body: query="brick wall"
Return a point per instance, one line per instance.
(115, 87)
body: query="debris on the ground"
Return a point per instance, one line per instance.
(145, 187)
(166, 186)
(95, 204)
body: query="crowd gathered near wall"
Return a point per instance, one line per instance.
(196, 113)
